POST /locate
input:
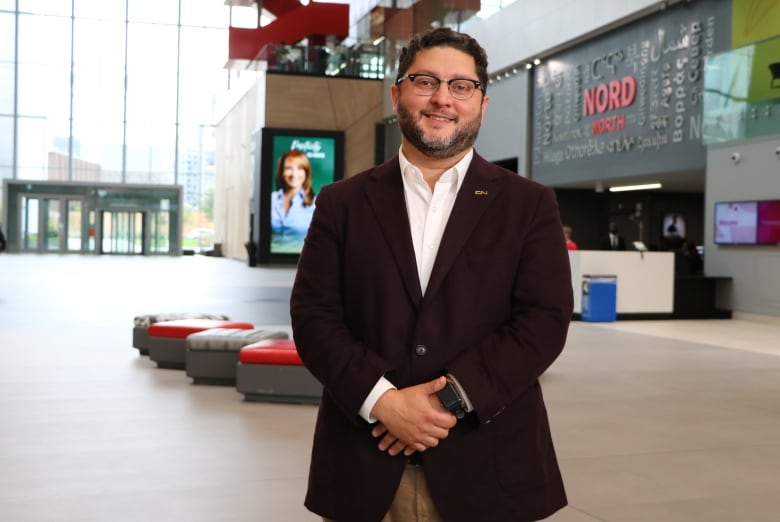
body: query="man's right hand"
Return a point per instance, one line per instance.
(412, 419)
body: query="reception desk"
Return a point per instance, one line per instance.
(645, 280)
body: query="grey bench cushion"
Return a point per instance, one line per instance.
(212, 355)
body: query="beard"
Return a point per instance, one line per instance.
(437, 147)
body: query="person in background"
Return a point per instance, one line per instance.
(431, 294)
(292, 204)
(694, 262)
(2, 239)
(613, 240)
(673, 230)
(567, 233)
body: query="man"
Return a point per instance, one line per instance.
(613, 240)
(434, 279)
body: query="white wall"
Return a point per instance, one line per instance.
(755, 270)
(234, 169)
(504, 131)
(525, 29)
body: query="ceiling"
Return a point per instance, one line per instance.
(680, 181)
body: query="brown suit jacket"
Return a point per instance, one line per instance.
(495, 315)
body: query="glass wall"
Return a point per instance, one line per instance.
(114, 91)
(742, 93)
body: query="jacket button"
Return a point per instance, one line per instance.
(420, 349)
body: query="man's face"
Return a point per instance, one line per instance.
(439, 126)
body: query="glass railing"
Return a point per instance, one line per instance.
(359, 61)
(742, 93)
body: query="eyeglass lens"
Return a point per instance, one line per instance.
(427, 85)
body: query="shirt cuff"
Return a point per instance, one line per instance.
(469, 407)
(381, 386)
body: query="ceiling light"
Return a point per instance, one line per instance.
(645, 186)
(537, 61)
(528, 65)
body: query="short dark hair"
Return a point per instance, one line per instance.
(444, 37)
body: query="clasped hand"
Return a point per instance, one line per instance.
(412, 419)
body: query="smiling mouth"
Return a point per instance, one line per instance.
(442, 119)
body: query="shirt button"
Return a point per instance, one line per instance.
(420, 349)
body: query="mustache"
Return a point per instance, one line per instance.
(439, 148)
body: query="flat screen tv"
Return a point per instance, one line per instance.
(295, 164)
(736, 222)
(768, 223)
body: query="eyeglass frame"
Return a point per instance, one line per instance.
(477, 84)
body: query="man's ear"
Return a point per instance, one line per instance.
(394, 94)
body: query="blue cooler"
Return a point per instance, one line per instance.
(599, 298)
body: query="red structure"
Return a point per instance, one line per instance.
(294, 22)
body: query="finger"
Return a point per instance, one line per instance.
(387, 441)
(417, 448)
(397, 447)
(438, 384)
(378, 430)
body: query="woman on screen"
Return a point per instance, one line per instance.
(292, 204)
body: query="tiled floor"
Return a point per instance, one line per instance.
(653, 420)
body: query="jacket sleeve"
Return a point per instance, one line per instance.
(328, 348)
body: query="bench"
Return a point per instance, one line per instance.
(272, 371)
(141, 325)
(168, 339)
(211, 355)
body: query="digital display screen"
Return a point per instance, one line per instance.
(736, 222)
(296, 164)
(768, 226)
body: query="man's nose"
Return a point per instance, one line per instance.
(442, 94)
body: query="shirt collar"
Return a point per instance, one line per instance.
(458, 170)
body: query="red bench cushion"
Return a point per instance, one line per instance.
(271, 351)
(181, 328)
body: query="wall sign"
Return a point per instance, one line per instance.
(629, 102)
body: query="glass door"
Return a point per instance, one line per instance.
(29, 223)
(50, 224)
(73, 220)
(53, 217)
(122, 232)
(159, 230)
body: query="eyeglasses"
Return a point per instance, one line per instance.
(426, 85)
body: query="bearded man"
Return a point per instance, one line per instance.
(431, 294)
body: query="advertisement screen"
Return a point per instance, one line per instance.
(736, 222)
(296, 164)
(768, 230)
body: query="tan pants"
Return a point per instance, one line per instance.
(412, 502)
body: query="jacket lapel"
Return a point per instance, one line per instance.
(385, 194)
(479, 189)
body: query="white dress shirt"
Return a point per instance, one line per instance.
(428, 215)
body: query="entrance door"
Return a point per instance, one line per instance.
(30, 221)
(122, 232)
(51, 224)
